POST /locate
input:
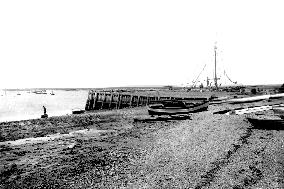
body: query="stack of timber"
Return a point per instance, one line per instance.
(113, 100)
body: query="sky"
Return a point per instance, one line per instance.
(67, 43)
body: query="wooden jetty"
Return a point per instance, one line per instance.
(113, 100)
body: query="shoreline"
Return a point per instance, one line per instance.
(34, 116)
(212, 151)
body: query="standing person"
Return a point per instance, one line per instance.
(44, 113)
(44, 110)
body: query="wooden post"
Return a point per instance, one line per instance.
(111, 96)
(138, 99)
(142, 100)
(87, 106)
(119, 101)
(131, 99)
(116, 101)
(95, 100)
(147, 101)
(104, 98)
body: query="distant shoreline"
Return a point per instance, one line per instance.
(135, 87)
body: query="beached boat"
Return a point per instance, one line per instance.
(52, 93)
(77, 111)
(267, 123)
(255, 98)
(44, 116)
(278, 110)
(170, 107)
(276, 96)
(248, 99)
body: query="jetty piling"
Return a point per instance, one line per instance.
(113, 100)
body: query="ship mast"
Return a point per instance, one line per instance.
(215, 73)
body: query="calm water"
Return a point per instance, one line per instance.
(29, 105)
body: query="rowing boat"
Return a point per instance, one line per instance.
(278, 110)
(77, 111)
(267, 123)
(175, 107)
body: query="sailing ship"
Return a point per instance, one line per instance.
(214, 82)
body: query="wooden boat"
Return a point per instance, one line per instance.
(77, 111)
(267, 123)
(278, 110)
(44, 116)
(175, 107)
(52, 93)
(276, 96)
(255, 98)
(248, 99)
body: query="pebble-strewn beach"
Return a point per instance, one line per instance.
(109, 150)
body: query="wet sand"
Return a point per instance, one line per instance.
(108, 150)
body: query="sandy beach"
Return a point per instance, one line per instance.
(107, 149)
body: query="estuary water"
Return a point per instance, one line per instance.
(23, 105)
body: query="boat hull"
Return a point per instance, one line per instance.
(267, 124)
(162, 110)
(255, 98)
(44, 116)
(279, 110)
(78, 111)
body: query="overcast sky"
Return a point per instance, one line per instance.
(121, 43)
